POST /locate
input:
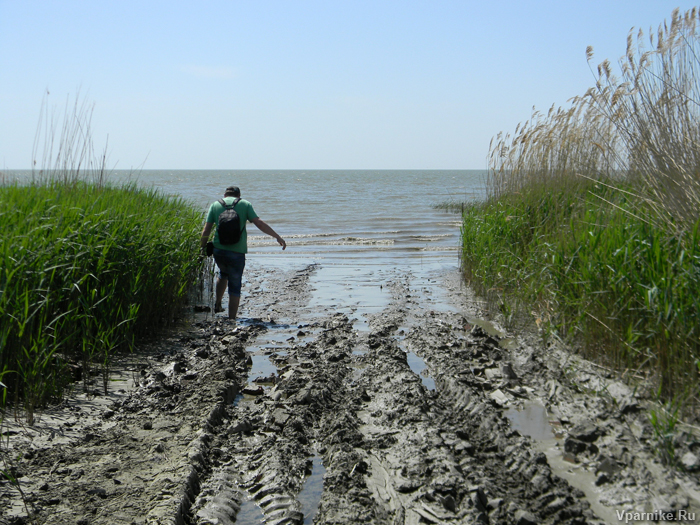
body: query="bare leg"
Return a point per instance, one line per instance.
(233, 303)
(221, 285)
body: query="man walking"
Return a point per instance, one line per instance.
(230, 258)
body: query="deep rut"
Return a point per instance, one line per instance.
(393, 451)
(237, 424)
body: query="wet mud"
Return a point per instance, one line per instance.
(413, 411)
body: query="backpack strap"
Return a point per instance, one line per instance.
(223, 202)
(234, 205)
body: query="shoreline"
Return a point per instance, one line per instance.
(183, 444)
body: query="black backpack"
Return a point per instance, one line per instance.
(229, 225)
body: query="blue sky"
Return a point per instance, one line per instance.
(302, 84)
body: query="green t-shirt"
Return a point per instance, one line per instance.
(245, 211)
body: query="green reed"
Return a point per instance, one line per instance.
(452, 206)
(624, 290)
(593, 213)
(84, 269)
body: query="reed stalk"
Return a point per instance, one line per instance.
(85, 267)
(593, 214)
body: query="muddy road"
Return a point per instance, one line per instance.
(411, 410)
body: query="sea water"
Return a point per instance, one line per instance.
(333, 212)
(357, 225)
(341, 213)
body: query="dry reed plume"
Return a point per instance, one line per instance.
(594, 211)
(642, 126)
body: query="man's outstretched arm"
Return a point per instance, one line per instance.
(265, 228)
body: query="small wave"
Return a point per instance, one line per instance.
(433, 248)
(429, 237)
(344, 241)
(438, 248)
(329, 234)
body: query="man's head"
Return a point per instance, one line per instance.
(232, 191)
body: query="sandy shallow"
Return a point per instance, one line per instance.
(346, 393)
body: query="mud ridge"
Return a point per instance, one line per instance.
(142, 459)
(410, 415)
(511, 479)
(268, 441)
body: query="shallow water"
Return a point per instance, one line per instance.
(350, 288)
(250, 513)
(357, 225)
(531, 420)
(419, 367)
(340, 211)
(262, 367)
(310, 495)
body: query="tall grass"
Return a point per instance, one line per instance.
(593, 213)
(63, 147)
(85, 268)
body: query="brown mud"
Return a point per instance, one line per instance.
(294, 415)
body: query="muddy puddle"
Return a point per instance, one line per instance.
(419, 367)
(583, 478)
(310, 495)
(361, 384)
(309, 409)
(531, 420)
(250, 513)
(262, 370)
(355, 290)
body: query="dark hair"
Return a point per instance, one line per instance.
(232, 190)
